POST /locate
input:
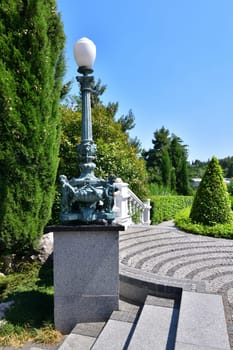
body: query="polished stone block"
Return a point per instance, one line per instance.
(86, 274)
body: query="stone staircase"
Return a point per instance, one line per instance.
(194, 321)
(155, 313)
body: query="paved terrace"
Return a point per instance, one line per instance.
(168, 252)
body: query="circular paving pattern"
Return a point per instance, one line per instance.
(169, 252)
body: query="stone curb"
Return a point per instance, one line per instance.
(136, 284)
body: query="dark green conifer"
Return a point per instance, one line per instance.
(179, 155)
(31, 69)
(167, 163)
(211, 203)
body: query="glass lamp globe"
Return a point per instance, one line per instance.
(85, 53)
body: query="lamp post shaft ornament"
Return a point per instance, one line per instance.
(86, 199)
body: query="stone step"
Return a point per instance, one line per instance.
(38, 347)
(202, 323)
(157, 324)
(82, 336)
(119, 328)
(197, 322)
(114, 336)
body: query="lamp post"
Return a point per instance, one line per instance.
(86, 257)
(86, 199)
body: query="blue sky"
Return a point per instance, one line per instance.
(170, 61)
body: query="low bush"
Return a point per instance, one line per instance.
(166, 207)
(184, 222)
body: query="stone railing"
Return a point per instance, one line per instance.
(129, 209)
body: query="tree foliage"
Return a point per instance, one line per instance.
(167, 162)
(31, 68)
(179, 155)
(211, 203)
(97, 90)
(127, 121)
(227, 166)
(153, 157)
(197, 167)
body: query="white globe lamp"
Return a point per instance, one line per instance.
(85, 54)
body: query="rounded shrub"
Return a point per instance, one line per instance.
(211, 203)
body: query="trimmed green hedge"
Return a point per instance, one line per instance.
(184, 222)
(166, 207)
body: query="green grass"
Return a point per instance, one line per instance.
(30, 318)
(183, 221)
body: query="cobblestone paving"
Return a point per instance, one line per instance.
(169, 252)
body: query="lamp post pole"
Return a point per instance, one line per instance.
(85, 83)
(86, 199)
(87, 148)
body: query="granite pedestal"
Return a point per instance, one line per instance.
(86, 274)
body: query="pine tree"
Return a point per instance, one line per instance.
(167, 162)
(156, 164)
(166, 168)
(31, 68)
(211, 204)
(179, 154)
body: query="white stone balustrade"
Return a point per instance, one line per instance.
(129, 209)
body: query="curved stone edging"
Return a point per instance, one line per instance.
(136, 284)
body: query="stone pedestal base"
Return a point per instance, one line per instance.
(86, 274)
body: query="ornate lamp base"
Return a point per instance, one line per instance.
(87, 200)
(87, 215)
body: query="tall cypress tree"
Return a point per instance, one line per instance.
(165, 167)
(31, 69)
(179, 155)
